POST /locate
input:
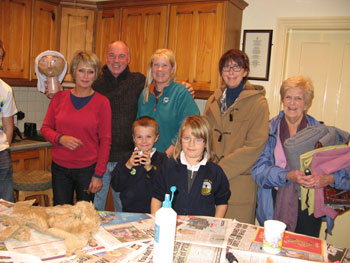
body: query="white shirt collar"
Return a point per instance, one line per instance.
(193, 167)
(152, 152)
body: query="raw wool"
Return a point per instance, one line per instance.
(75, 224)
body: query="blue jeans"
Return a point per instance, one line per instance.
(65, 181)
(6, 181)
(101, 196)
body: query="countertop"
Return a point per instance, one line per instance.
(28, 144)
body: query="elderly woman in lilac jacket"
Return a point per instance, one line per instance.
(270, 171)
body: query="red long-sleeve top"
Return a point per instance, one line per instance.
(91, 124)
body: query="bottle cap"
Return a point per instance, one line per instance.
(167, 202)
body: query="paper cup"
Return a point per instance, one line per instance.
(273, 236)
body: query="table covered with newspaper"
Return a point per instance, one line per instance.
(128, 237)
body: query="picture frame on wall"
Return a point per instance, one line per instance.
(257, 45)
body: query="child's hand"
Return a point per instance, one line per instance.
(134, 160)
(145, 160)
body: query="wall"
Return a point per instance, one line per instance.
(33, 103)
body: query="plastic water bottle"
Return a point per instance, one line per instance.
(164, 238)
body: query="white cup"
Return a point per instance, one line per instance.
(273, 236)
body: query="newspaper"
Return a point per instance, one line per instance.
(243, 256)
(245, 243)
(241, 235)
(185, 252)
(114, 236)
(338, 254)
(6, 207)
(120, 255)
(190, 253)
(204, 231)
(12, 257)
(47, 248)
(114, 218)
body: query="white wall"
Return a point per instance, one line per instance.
(33, 103)
(263, 14)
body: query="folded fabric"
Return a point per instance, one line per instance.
(307, 140)
(328, 155)
(328, 162)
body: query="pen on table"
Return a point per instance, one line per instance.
(231, 258)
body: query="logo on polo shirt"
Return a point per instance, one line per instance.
(206, 187)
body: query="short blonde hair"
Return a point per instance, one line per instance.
(146, 121)
(301, 82)
(88, 58)
(167, 53)
(201, 129)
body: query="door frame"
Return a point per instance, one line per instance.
(284, 26)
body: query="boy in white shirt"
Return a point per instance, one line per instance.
(7, 111)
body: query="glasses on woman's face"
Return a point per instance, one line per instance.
(195, 140)
(235, 68)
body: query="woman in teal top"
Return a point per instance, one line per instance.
(166, 101)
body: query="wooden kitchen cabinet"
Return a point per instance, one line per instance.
(15, 26)
(30, 155)
(199, 34)
(33, 159)
(44, 30)
(198, 31)
(77, 32)
(144, 30)
(107, 31)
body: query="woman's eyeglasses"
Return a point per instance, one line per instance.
(235, 68)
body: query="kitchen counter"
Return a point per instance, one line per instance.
(28, 144)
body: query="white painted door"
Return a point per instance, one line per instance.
(323, 56)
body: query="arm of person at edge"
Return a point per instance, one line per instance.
(155, 205)
(220, 210)
(170, 150)
(8, 126)
(95, 185)
(189, 89)
(339, 180)
(265, 173)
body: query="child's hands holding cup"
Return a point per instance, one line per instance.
(139, 158)
(134, 160)
(145, 160)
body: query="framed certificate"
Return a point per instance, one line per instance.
(257, 45)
